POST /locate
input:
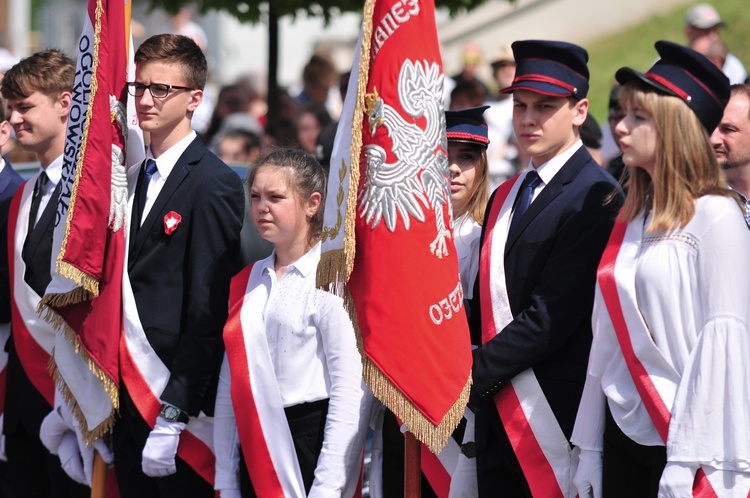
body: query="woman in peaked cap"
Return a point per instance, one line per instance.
(466, 130)
(667, 396)
(467, 133)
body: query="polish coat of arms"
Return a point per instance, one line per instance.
(418, 179)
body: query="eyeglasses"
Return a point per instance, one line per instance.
(157, 90)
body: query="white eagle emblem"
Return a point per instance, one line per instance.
(419, 176)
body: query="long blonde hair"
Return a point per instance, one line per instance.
(685, 167)
(479, 193)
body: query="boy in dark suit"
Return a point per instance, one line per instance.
(541, 243)
(38, 92)
(184, 247)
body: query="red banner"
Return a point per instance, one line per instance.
(84, 297)
(404, 283)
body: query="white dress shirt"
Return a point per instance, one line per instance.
(164, 165)
(466, 234)
(548, 170)
(314, 353)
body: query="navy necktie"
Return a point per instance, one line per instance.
(525, 194)
(148, 172)
(36, 200)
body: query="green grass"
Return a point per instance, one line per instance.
(635, 47)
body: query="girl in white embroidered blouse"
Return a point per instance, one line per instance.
(666, 401)
(287, 419)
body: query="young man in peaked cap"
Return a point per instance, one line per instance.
(541, 243)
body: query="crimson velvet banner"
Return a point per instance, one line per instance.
(84, 299)
(389, 223)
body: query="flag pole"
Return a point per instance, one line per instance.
(99, 477)
(412, 466)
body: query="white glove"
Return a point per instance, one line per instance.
(230, 493)
(677, 480)
(70, 458)
(58, 432)
(588, 478)
(87, 450)
(52, 430)
(161, 448)
(464, 478)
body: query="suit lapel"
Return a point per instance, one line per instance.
(181, 170)
(36, 236)
(555, 187)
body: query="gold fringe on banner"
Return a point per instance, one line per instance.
(435, 437)
(57, 300)
(82, 279)
(356, 148)
(88, 285)
(108, 384)
(102, 429)
(337, 265)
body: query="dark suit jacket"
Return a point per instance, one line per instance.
(24, 405)
(551, 258)
(181, 281)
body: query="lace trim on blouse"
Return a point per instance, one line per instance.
(684, 238)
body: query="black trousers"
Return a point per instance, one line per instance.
(629, 469)
(393, 460)
(499, 474)
(307, 423)
(128, 439)
(34, 471)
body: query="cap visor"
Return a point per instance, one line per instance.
(709, 24)
(626, 75)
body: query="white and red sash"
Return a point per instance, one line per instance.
(261, 422)
(145, 377)
(656, 386)
(33, 337)
(543, 451)
(438, 469)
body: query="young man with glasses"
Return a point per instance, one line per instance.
(184, 247)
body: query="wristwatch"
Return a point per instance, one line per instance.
(173, 414)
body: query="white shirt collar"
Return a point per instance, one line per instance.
(304, 265)
(548, 170)
(165, 163)
(54, 171)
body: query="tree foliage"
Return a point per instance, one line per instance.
(254, 10)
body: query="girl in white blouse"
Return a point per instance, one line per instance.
(290, 392)
(667, 398)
